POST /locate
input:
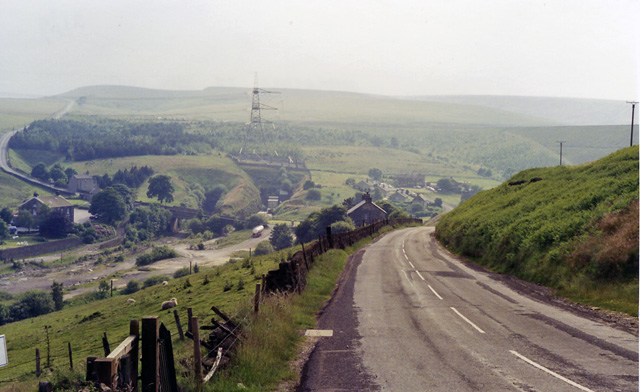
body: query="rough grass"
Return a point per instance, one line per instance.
(577, 224)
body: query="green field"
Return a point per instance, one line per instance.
(18, 113)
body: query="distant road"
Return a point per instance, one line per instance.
(4, 154)
(409, 316)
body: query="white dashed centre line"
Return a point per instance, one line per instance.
(420, 275)
(434, 292)
(467, 320)
(412, 266)
(554, 374)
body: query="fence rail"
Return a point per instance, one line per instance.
(291, 274)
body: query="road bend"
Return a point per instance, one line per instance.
(408, 316)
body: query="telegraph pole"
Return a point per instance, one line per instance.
(633, 109)
(561, 141)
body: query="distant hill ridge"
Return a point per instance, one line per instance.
(322, 105)
(573, 228)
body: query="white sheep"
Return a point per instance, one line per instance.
(169, 304)
(165, 283)
(131, 301)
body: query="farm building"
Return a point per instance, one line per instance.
(84, 184)
(55, 203)
(366, 212)
(398, 197)
(410, 180)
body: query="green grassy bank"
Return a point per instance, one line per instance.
(572, 228)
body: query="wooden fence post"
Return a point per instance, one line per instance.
(70, 357)
(264, 283)
(197, 356)
(178, 325)
(134, 354)
(189, 316)
(105, 345)
(256, 299)
(37, 363)
(329, 237)
(150, 354)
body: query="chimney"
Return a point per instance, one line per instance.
(366, 197)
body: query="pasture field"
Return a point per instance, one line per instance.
(18, 113)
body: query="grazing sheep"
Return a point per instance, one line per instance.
(165, 283)
(169, 304)
(131, 300)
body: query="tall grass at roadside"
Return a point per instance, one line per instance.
(271, 338)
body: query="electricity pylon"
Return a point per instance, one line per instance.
(255, 128)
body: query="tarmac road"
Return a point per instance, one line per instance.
(410, 317)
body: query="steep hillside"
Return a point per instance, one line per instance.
(574, 228)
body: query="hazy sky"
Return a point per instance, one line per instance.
(569, 48)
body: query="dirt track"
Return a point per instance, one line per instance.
(75, 274)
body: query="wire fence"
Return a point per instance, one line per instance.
(290, 277)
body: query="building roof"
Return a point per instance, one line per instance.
(363, 202)
(82, 176)
(51, 201)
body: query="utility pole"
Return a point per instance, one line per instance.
(633, 109)
(561, 141)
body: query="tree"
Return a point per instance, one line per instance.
(286, 185)
(281, 237)
(109, 205)
(256, 220)
(263, 248)
(25, 219)
(376, 174)
(212, 197)
(308, 185)
(348, 202)
(342, 226)
(4, 229)
(56, 224)
(127, 194)
(6, 215)
(70, 172)
(437, 202)
(103, 289)
(161, 188)
(132, 287)
(313, 194)
(31, 303)
(57, 294)
(57, 174)
(40, 172)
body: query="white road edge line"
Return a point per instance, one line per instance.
(420, 275)
(435, 292)
(467, 320)
(554, 374)
(412, 266)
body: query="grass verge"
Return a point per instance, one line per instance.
(271, 339)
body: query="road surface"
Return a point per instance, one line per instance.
(74, 274)
(410, 317)
(4, 154)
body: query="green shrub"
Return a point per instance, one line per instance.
(181, 272)
(154, 280)
(132, 287)
(156, 254)
(263, 248)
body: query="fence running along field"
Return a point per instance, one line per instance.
(291, 276)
